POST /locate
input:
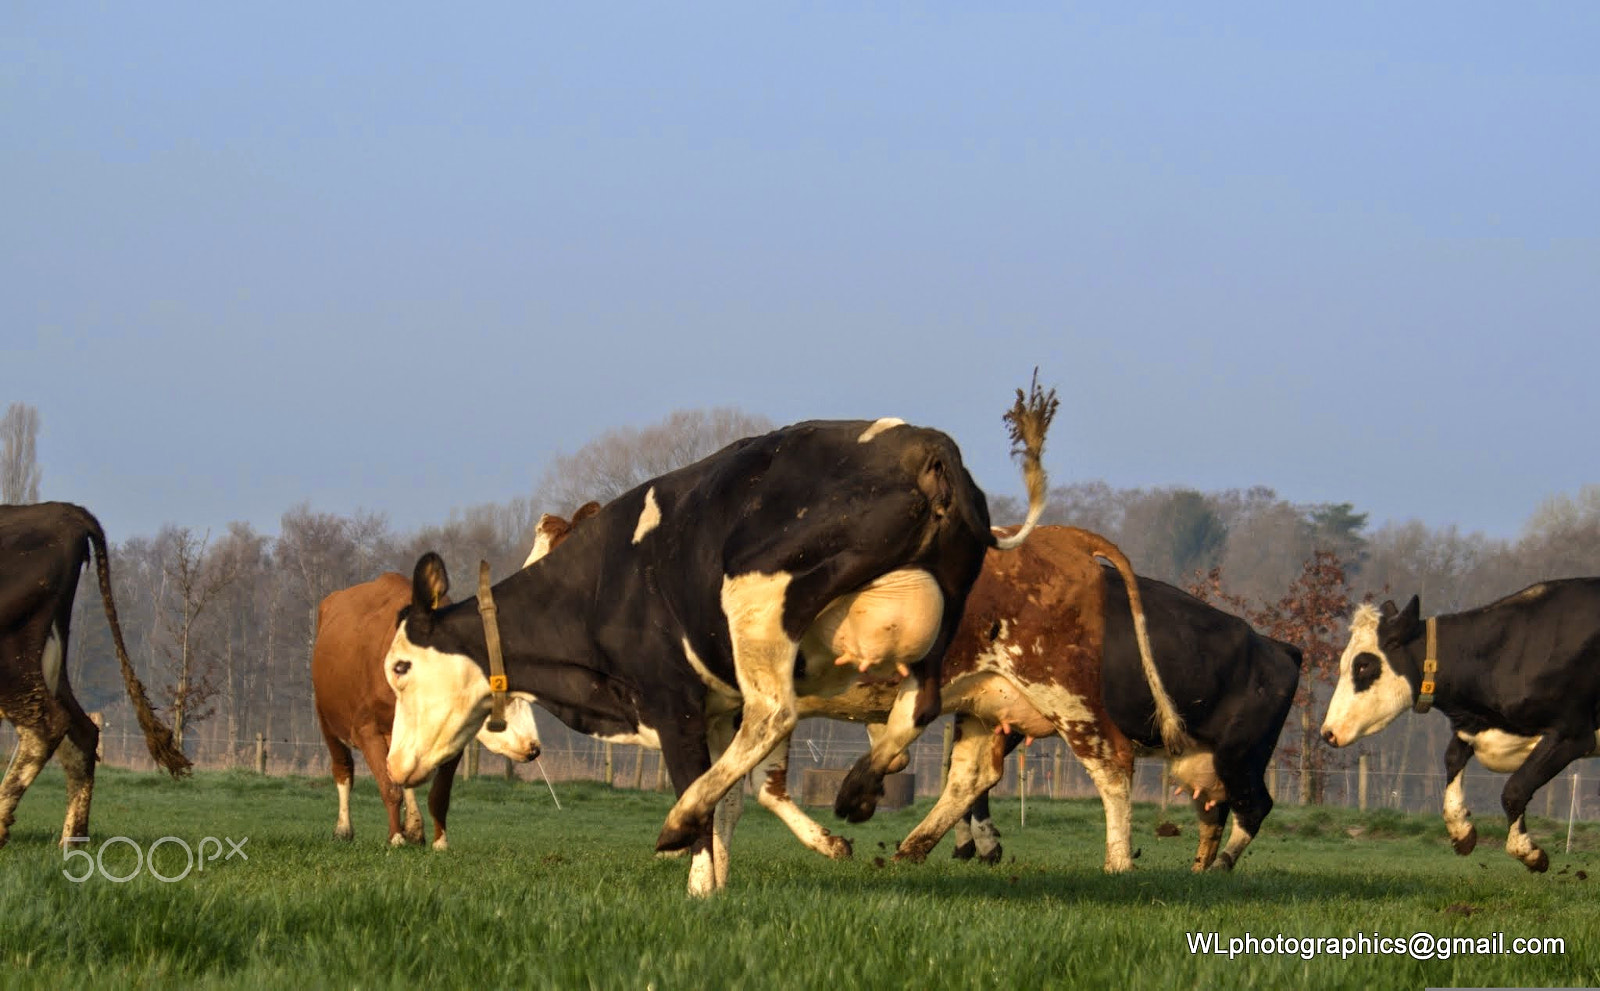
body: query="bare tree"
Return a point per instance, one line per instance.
(196, 579)
(620, 459)
(19, 462)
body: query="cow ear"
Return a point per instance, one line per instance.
(1388, 610)
(429, 583)
(1409, 619)
(585, 511)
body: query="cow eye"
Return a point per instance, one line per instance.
(401, 667)
(1364, 671)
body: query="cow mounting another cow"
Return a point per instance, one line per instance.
(783, 565)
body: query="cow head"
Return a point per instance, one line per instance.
(441, 691)
(1377, 675)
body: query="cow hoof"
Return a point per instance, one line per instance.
(964, 851)
(677, 837)
(1539, 864)
(915, 854)
(1467, 843)
(345, 834)
(838, 848)
(397, 840)
(1223, 863)
(858, 794)
(440, 844)
(991, 857)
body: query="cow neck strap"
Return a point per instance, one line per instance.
(497, 662)
(1430, 668)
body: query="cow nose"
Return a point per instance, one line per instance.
(1329, 738)
(533, 752)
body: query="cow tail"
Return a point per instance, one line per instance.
(1029, 419)
(156, 735)
(1174, 735)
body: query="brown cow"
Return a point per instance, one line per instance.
(355, 706)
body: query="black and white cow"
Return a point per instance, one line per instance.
(1233, 688)
(1519, 680)
(43, 548)
(784, 564)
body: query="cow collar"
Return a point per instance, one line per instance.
(497, 663)
(1430, 667)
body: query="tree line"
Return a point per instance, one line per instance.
(222, 623)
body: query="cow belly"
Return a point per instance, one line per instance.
(999, 702)
(892, 620)
(1498, 750)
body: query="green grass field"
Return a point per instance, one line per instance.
(529, 896)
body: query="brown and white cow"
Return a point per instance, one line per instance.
(1025, 658)
(355, 706)
(43, 548)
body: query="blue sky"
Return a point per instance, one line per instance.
(397, 256)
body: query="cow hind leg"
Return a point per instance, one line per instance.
(1549, 757)
(77, 754)
(33, 751)
(1111, 769)
(763, 659)
(1211, 816)
(1244, 780)
(343, 765)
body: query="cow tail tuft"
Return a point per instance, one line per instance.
(1029, 419)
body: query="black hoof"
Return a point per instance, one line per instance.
(1224, 862)
(677, 838)
(964, 851)
(1467, 843)
(858, 795)
(1540, 863)
(992, 857)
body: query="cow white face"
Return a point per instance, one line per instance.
(519, 741)
(440, 701)
(1371, 693)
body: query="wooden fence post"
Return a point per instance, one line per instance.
(1055, 775)
(472, 760)
(99, 720)
(661, 772)
(261, 753)
(511, 770)
(1272, 780)
(608, 764)
(949, 746)
(1166, 788)
(1361, 782)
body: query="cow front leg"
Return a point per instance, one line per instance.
(1457, 818)
(375, 751)
(772, 778)
(1549, 758)
(976, 762)
(861, 788)
(1245, 783)
(444, 780)
(763, 661)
